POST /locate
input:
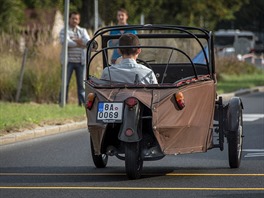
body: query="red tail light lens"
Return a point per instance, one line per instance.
(180, 100)
(90, 100)
(131, 102)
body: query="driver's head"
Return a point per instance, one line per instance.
(129, 40)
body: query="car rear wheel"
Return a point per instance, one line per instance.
(133, 160)
(235, 141)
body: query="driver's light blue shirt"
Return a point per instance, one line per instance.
(126, 72)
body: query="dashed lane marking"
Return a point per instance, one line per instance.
(252, 117)
(254, 152)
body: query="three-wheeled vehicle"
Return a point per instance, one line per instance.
(181, 114)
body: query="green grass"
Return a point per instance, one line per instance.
(16, 116)
(230, 83)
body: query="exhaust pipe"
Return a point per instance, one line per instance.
(111, 151)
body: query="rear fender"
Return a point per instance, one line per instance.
(232, 114)
(131, 120)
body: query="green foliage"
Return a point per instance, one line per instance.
(250, 16)
(201, 13)
(135, 8)
(44, 4)
(11, 14)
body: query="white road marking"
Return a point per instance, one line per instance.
(252, 117)
(254, 152)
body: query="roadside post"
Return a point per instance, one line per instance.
(96, 15)
(19, 87)
(65, 52)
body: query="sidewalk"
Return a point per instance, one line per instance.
(51, 130)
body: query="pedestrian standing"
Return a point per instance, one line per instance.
(122, 17)
(77, 39)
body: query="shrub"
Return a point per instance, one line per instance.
(42, 75)
(9, 75)
(232, 66)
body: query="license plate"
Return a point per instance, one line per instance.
(110, 112)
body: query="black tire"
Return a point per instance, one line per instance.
(100, 161)
(133, 160)
(235, 142)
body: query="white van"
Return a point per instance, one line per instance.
(235, 41)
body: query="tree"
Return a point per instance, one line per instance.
(201, 13)
(249, 17)
(11, 15)
(44, 4)
(107, 10)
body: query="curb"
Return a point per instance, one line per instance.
(241, 92)
(41, 132)
(51, 130)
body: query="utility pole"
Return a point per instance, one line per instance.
(142, 19)
(95, 15)
(65, 53)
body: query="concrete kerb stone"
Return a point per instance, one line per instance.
(41, 132)
(51, 130)
(241, 92)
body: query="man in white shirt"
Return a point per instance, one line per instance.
(77, 39)
(128, 70)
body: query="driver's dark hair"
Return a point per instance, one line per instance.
(128, 40)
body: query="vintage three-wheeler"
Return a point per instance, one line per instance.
(181, 114)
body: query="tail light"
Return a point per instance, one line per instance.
(90, 100)
(131, 102)
(180, 100)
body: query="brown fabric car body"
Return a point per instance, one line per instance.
(177, 131)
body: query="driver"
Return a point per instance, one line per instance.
(128, 70)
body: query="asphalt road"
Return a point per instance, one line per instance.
(61, 166)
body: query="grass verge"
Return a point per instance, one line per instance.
(15, 117)
(230, 83)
